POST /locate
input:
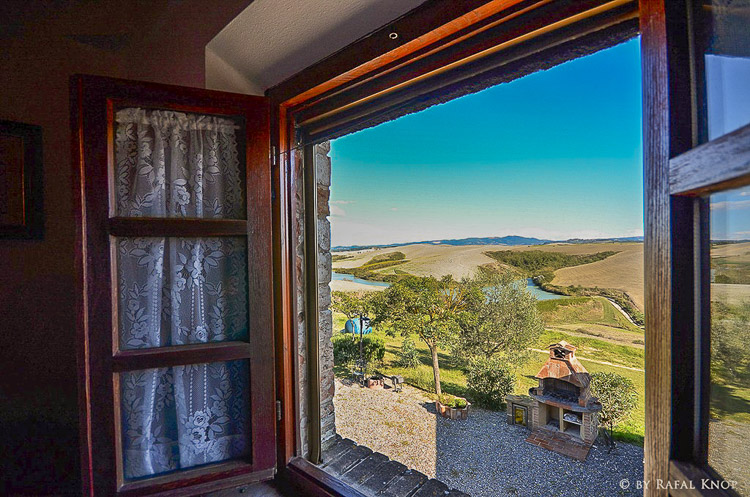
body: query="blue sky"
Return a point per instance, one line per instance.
(556, 154)
(730, 214)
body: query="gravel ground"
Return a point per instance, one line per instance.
(482, 456)
(728, 453)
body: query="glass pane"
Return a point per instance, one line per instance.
(172, 164)
(179, 291)
(727, 59)
(728, 451)
(184, 416)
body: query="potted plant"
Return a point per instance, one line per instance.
(451, 407)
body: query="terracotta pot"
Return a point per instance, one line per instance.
(452, 412)
(375, 383)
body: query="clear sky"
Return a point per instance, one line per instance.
(556, 154)
(730, 214)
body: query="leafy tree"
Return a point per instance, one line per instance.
(351, 304)
(427, 307)
(501, 318)
(618, 397)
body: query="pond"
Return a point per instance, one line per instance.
(530, 286)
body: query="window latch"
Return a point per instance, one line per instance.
(278, 410)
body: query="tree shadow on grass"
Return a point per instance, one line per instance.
(726, 403)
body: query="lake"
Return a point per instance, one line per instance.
(530, 286)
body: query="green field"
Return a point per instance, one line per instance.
(598, 313)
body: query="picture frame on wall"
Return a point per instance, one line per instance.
(21, 195)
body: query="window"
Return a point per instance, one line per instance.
(710, 403)
(175, 264)
(353, 90)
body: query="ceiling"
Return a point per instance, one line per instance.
(272, 40)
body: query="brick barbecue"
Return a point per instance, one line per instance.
(564, 416)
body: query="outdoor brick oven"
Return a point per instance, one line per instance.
(564, 414)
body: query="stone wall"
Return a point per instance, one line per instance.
(299, 255)
(325, 316)
(322, 164)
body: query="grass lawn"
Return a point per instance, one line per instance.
(453, 379)
(585, 310)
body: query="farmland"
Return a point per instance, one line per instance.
(621, 271)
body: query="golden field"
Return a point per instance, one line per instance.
(623, 271)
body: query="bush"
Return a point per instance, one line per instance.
(489, 381)
(452, 401)
(409, 354)
(346, 350)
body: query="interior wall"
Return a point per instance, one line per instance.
(40, 48)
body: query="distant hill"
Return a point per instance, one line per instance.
(510, 240)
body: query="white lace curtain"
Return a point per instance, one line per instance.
(178, 291)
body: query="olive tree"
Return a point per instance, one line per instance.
(618, 397)
(501, 318)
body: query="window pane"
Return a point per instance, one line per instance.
(172, 164)
(728, 452)
(727, 58)
(184, 416)
(179, 291)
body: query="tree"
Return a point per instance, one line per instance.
(503, 320)
(351, 304)
(427, 307)
(618, 397)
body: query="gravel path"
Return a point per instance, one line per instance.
(482, 456)
(728, 453)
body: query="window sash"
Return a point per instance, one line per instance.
(95, 101)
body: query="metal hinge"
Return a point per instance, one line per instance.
(278, 410)
(273, 156)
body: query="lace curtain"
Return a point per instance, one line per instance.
(179, 291)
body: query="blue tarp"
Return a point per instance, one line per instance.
(352, 326)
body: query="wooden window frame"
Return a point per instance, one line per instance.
(94, 101)
(690, 169)
(443, 49)
(721, 164)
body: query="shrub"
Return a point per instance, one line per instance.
(489, 381)
(346, 350)
(618, 397)
(452, 401)
(409, 354)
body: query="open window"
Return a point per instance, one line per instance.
(708, 183)
(429, 56)
(175, 274)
